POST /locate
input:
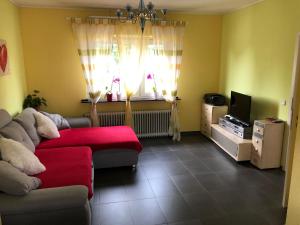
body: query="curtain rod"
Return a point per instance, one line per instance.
(121, 18)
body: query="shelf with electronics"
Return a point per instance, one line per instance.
(234, 133)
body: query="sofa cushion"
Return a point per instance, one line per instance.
(60, 122)
(20, 157)
(15, 182)
(45, 126)
(79, 122)
(66, 166)
(15, 131)
(28, 122)
(5, 118)
(98, 138)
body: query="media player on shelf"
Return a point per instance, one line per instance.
(238, 119)
(236, 128)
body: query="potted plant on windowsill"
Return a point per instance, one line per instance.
(154, 88)
(34, 101)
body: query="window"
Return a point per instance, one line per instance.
(113, 81)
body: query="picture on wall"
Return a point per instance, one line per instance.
(4, 68)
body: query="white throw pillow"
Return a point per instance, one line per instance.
(20, 157)
(45, 126)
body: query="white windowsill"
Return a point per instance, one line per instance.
(141, 99)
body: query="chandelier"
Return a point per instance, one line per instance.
(141, 14)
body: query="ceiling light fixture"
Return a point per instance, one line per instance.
(141, 14)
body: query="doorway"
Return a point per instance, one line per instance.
(292, 121)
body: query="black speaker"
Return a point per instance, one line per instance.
(214, 99)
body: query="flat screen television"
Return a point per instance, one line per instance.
(240, 106)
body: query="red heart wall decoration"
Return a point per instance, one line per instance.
(3, 57)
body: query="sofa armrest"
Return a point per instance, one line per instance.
(79, 122)
(63, 205)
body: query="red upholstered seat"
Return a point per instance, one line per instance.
(98, 138)
(66, 167)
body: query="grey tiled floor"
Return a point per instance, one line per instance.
(188, 183)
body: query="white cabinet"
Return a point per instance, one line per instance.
(267, 144)
(210, 115)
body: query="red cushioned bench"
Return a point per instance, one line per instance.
(112, 146)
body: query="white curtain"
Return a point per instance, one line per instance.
(131, 44)
(168, 42)
(95, 44)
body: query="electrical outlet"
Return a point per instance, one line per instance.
(283, 102)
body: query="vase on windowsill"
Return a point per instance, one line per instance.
(109, 97)
(155, 95)
(119, 96)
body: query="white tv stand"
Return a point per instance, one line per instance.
(239, 149)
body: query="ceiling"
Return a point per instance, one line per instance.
(191, 6)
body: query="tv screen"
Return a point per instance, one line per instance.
(240, 106)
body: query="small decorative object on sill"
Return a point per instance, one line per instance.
(109, 94)
(109, 97)
(154, 88)
(118, 96)
(34, 101)
(117, 81)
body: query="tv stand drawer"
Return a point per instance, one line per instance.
(239, 149)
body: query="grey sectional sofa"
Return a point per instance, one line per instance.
(67, 205)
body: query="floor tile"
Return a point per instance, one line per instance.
(275, 176)
(139, 190)
(187, 184)
(154, 170)
(109, 193)
(146, 212)
(230, 201)
(273, 193)
(244, 218)
(112, 214)
(175, 168)
(184, 155)
(161, 148)
(175, 209)
(275, 216)
(163, 187)
(203, 205)
(178, 146)
(166, 156)
(212, 182)
(147, 157)
(196, 166)
(190, 222)
(219, 165)
(257, 199)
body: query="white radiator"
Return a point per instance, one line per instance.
(146, 123)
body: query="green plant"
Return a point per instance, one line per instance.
(34, 100)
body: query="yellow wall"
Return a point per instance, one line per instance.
(12, 86)
(293, 215)
(53, 66)
(258, 46)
